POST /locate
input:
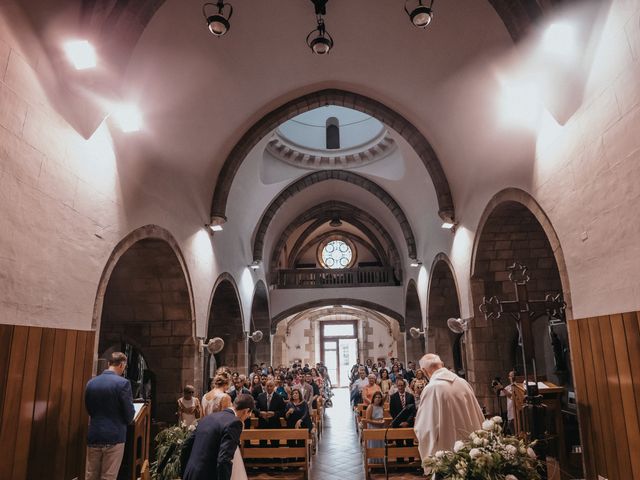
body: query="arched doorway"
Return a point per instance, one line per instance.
(260, 320)
(416, 347)
(146, 313)
(442, 304)
(509, 231)
(225, 321)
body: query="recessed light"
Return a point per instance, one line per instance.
(81, 53)
(127, 117)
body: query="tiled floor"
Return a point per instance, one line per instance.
(339, 454)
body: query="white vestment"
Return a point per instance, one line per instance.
(447, 411)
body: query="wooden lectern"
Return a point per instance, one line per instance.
(552, 399)
(136, 450)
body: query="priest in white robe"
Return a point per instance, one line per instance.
(447, 411)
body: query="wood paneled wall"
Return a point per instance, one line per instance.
(606, 359)
(43, 421)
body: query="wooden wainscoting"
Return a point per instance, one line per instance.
(605, 352)
(43, 422)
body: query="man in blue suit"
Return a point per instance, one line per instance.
(208, 453)
(110, 406)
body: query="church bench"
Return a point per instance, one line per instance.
(259, 454)
(393, 451)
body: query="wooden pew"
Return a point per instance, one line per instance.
(258, 454)
(393, 452)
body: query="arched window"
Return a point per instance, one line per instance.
(333, 133)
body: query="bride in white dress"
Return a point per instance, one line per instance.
(217, 400)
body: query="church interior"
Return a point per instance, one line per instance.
(320, 182)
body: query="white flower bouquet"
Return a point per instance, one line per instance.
(487, 454)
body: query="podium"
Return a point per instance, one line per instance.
(552, 399)
(136, 449)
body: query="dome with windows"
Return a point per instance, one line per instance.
(331, 137)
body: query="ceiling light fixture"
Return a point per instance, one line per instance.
(322, 42)
(420, 15)
(255, 265)
(216, 223)
(335, 223)
(415, 263)
(81, 53)
(218, 23)
(128, 117)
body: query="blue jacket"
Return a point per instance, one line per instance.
(208, 453)
(110, 405)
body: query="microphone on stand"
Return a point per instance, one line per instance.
(410, 408)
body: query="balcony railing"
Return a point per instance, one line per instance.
(344, 277)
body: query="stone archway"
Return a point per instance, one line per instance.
(514, 227)
(416, 347)
(225, 321)
(442, 304)
(145, 307)
(260, 320)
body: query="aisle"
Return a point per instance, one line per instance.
(339, 454)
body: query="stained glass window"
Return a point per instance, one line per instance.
(336, 254)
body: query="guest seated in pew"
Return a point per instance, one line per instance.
(297, 416)
(374, 418)
(270, 408)
(256, 387)
(281, 387)
(370, 389)
(358, 384)
(403, 412)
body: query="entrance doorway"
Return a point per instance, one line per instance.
(339, 341)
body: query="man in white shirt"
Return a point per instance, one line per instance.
(448, 409)
(508, 392)
(358, 385)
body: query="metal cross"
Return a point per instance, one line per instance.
(523, 310)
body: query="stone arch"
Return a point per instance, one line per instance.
(323, 176)
(260, 320)
(443, 303)
(416, 347)
(362, 220)
(341, 98)
(514, 227)
(327, 302)
(144, 300)
(226, 322)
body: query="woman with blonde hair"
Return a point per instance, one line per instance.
(217, 399)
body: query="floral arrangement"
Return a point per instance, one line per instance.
(487, 454)
(168, 447)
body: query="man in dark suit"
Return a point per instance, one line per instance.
(402, 407)
(239, 386)
(109, 403)
(398, 402)
(270, 408)
(208, 453)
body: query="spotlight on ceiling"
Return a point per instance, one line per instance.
(218, 23)
(81, 54)
(336, 222)
(216, 223)
(128, 117)
(420, 15)
(255, 265)
(319, 40)
(415, 263)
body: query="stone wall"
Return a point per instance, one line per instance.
(147, 305)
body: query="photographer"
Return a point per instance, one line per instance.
(506, 391)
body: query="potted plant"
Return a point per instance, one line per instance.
(486, 454)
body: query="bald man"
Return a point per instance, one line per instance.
(448, 409)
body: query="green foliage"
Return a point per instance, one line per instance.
(487, 454)
(168, 447)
